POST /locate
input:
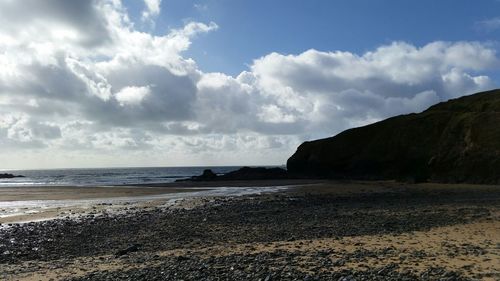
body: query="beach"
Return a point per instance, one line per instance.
(298, 230)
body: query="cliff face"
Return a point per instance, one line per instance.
(453, 141)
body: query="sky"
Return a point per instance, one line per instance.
(110, 83)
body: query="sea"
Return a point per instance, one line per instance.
(106, 176)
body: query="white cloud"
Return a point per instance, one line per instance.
(336, 90)
(153, 6)
(273, 114)
(56, 21)
(489, 24)
(200, 7)
(88, 86)
(132, 95)
(152, 9)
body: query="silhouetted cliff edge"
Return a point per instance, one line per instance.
(453, 141)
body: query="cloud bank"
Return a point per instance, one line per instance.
(80, 86)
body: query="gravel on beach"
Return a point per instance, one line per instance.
(137, 238)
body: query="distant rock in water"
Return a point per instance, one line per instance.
(245, 173)
(207, 175)
(258, 173)
(453, 141)
(9, 176)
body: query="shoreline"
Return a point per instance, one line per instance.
(36, 203)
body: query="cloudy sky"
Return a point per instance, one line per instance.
(222, 82)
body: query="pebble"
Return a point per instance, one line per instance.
(243, 220)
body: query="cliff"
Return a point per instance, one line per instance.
(453, 141)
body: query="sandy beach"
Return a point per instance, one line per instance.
(323, 230)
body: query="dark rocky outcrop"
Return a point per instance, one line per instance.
(207, 175)
(257, 173)
(245, 173)
(453, 141)
(9, 176)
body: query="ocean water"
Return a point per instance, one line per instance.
(106, 176)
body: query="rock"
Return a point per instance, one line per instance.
(182, 258)
(257, 173)
(9, 176)
(208, 174)
(245, 173)
(129, 249)
(453, 141)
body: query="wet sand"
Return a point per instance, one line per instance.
(36, 203)
(24, 204)
(9, 194)
(26, 193)
(324, 231)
